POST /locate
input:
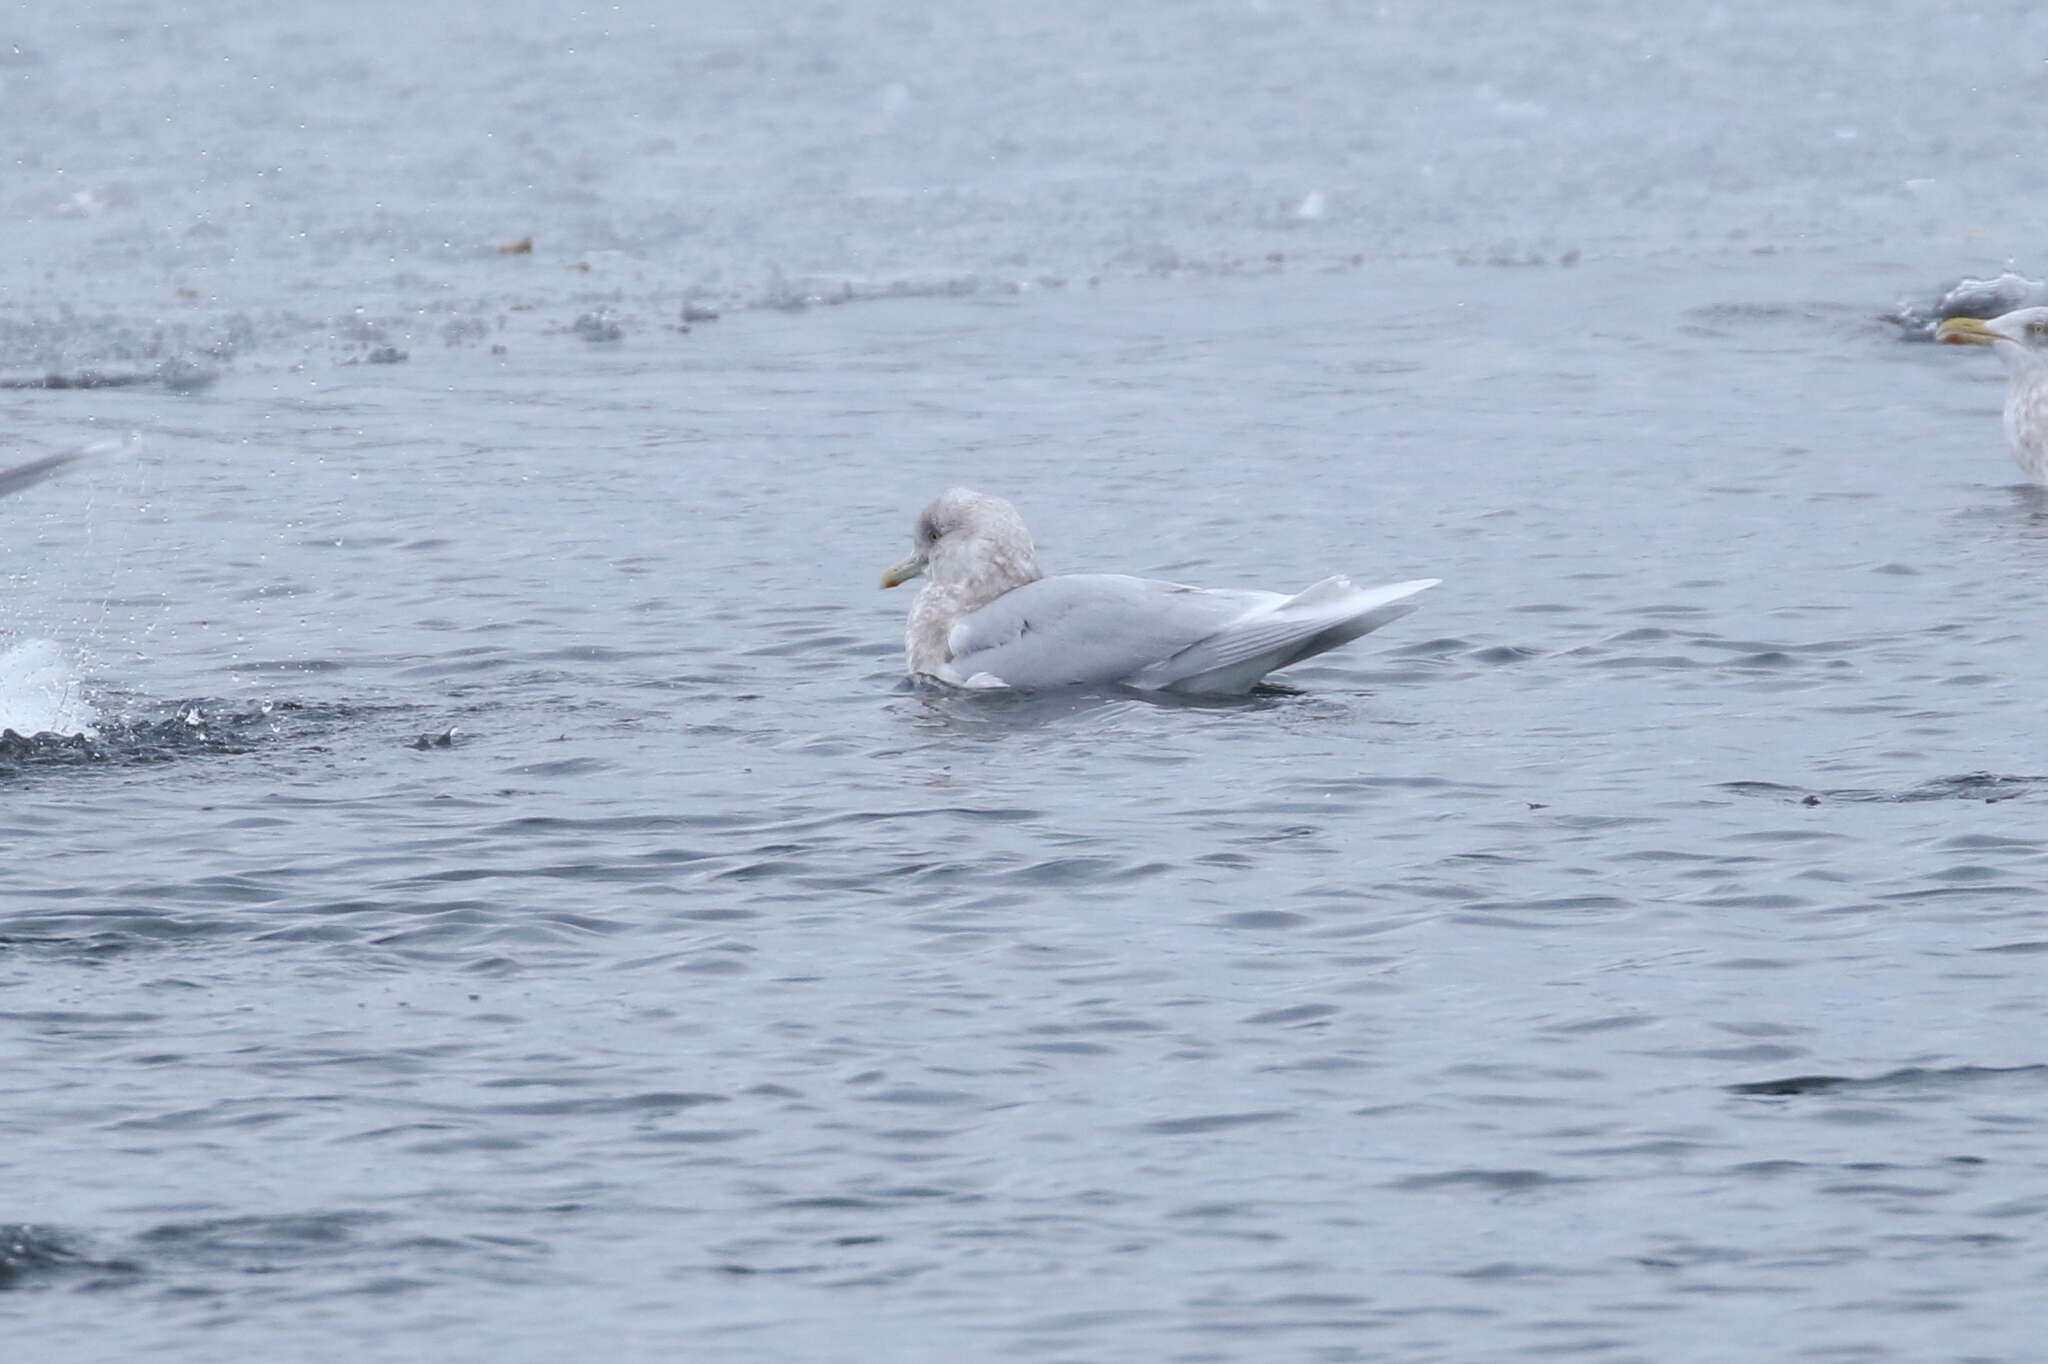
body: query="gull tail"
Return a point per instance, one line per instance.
(1267, 638)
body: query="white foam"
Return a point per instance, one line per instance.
(40, 692)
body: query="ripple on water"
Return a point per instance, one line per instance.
(1912, 1081)
(362, 1251)
(33, 1256)
(1987, 787)
(142, 732)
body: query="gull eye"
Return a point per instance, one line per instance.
(2037, 330)
(927, 531)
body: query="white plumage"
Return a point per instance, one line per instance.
(2021, 340)
(987, 617)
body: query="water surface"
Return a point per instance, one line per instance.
(509, 905)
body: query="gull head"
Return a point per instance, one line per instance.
(2021, 336)
(965, 538)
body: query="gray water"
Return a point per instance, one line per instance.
(508, 907)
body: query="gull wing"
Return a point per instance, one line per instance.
(1088, 628)
(1334, 611)
(34, 472)
(1083, 629)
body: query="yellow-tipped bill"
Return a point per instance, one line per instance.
(1968, 331)
(898, 574)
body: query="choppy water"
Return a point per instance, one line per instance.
(506, 907)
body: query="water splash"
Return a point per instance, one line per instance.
(40, 692)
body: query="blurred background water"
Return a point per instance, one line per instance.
(504, 905)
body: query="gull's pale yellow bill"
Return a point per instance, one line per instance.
(1966, 331)
(898, 574)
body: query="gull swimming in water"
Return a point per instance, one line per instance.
(987, 617)
(2021, 339)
